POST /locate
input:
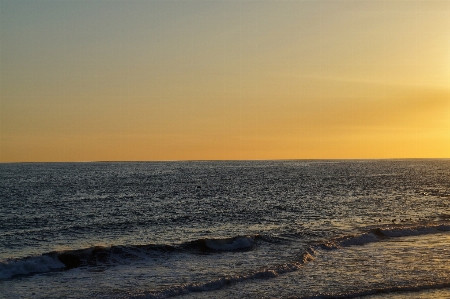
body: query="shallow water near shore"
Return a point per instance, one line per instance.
(248, 229)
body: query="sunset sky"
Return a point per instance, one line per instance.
(202, 80)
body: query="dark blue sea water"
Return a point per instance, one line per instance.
(229, 229)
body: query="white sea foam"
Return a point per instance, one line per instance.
(37, 264)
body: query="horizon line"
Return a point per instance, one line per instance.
(224, 160)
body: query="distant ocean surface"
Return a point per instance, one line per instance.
(229, 229)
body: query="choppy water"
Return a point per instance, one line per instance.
(255, 229)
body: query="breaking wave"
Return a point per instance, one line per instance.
(115, 255)
(212, 285)
(373, 235)
(31, 265)
(382, 233)
(125, 254)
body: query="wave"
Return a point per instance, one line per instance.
(121, 254)
(265, 273)
(382, 233)
(126, 254)
(230, 244)
(30, 265)
(370, 236)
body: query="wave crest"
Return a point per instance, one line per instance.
(230, 244)
(381, 233)
(124, 254)
(116, 255)
(30, 265)
(265, 273)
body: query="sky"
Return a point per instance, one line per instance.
(111, 80)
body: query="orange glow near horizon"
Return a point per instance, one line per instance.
(225, 80)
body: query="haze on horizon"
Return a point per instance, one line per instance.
(206, 80)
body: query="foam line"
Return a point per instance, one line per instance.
(213, 285)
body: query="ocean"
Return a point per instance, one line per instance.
(226, 229)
